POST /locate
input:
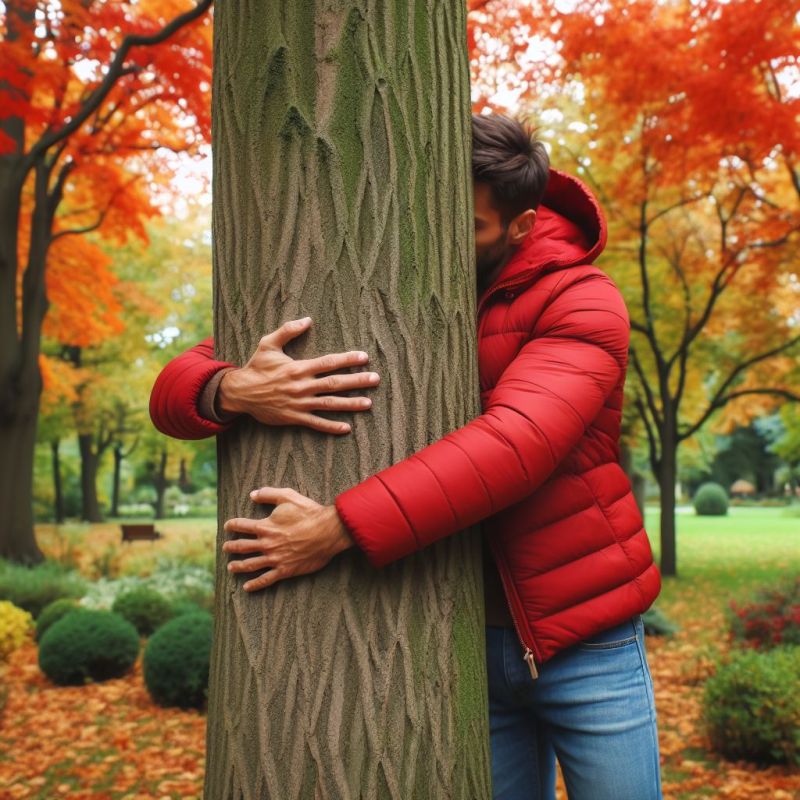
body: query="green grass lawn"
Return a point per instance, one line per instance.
(729, 556)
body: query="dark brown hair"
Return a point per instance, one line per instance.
(507, 156)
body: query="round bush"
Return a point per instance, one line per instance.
(88, 644)
(183, 606)
(176, 661)
(145, 608)
(15, 623)
(710, 500)
(752, 707)
(52, 613)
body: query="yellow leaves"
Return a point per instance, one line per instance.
(16, 626)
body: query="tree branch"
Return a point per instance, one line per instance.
(720, 398)
(651, 401)
(115, 70)
(654, 455)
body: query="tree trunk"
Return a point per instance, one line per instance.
(666, 476)
(184, 482)
(58, 501)
(638, 481)
(20, 381)
(160, 483)
(342, 192)
(90, 461)
(17, 443)
(115, 480)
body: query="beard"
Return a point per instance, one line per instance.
(490, 258)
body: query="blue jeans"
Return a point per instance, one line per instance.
(591, 707)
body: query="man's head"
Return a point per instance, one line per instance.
(509, 170)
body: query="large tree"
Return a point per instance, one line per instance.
(81, 104)
(342, 191)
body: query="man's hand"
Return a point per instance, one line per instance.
(278, 390)
(298, 537)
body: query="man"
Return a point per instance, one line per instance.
(570, 567)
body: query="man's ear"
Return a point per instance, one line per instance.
(521, 226)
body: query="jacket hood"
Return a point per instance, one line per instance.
(570, 229)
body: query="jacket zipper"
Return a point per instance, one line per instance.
(529, 656)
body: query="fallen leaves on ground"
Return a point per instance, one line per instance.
(102, 741)
(109, 741)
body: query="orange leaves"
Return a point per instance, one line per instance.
(80, 283)
(96, 742)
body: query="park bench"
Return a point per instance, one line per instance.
(139, 532)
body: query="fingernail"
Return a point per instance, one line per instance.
(230, 567)
(345, 429)
(366, 403)
(254, 494)
(363, 357)
(374, 377)
(305, 320)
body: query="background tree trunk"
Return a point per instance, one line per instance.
(160, 482)
(90, 462)
(342, 191)
(667, 475)
(58, 493)
(17, 443)
(116, 478)
(20, 381)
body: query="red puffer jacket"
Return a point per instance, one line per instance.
(540, 466)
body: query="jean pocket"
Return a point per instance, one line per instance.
(611, 638)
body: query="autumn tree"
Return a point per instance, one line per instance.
(682, 116)
(91, 97)
(342, 191)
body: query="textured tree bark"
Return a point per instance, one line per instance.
(342, 191)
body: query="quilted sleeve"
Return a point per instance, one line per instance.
(538, 411)
(176, 392)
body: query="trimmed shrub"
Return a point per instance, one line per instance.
(172, 579)
(183, 606)
(657, 624)
(87, 644)
(752, 707)
(710, 500)
(176, 661)
(15, 625)
(33, 588)
(53, 613)
(145, 608)
(770, 618)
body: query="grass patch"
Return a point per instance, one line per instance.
(730, 555)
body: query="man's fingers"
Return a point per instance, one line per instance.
(251, 564)
(265, 580)
(344, 383)
(315, 366)
(273, 495)
(242, 525)
(283, 335)
(331, 402)
(321, 424)
(243, 546)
